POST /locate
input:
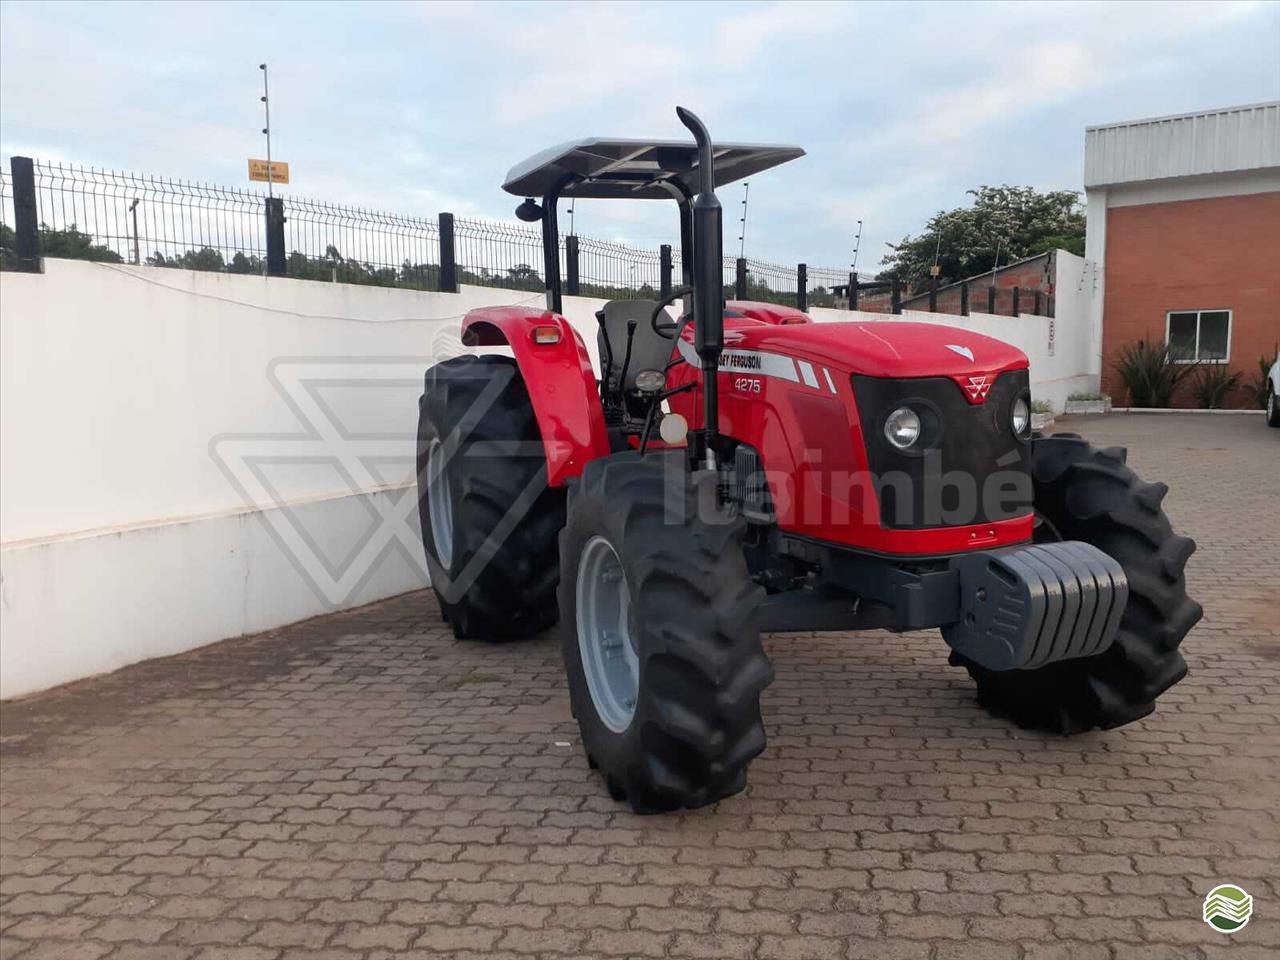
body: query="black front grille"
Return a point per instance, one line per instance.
(967, 467)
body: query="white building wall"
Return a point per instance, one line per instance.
(145, 508)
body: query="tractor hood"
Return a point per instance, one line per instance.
(887, 348)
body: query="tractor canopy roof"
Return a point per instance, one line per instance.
(614, 169)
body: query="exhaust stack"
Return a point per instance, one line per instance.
(708, 296)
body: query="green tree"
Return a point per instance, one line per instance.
(7, 251)
(1021, 221)
(66, 244)
(242, 264)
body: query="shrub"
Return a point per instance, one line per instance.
(1212, 384)
(1258, 387)
(1086, 395)
(1041, 406)
(1150, 373)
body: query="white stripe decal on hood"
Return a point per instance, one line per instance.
(748, 361)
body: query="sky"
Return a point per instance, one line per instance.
(417, 108)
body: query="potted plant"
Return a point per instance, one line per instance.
(1041, 415)
(1087, 402)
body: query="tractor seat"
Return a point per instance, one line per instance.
(649, 350)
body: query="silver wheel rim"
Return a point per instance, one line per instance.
(606, 641)
(439, 504)
(1271, 406)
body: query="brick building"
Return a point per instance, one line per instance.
(1184, 233)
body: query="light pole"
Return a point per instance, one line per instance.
(266, 106)
(742, 237)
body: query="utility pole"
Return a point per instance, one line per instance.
(857, 242)
(266, 106)
(742, 235)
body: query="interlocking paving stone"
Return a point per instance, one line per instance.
(363, 786)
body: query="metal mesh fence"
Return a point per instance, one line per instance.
(326, 241)
(822, 283)
(771, 282)
(91, 214)
(612, 271)
(107, 215)
(6, 217)
(495, 254)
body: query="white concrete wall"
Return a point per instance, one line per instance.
(137, 518)
(194, 456)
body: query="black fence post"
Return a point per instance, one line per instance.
(933, 298)
(275, 237)
(991, 297)
(26, 216)
(1035, 302)
(664, 269)
(802, 286)
(448, 259)
(571, 265)
(895, 296)
(853, 291)
(1016, 292)
(740, 281)
(964, 298)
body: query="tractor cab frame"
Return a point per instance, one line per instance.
(622, 169)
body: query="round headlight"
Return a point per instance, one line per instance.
(650, 381)
(1020, 417)
(902, 427)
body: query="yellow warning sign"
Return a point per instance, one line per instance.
(277, 171)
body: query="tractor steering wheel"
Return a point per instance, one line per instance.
(670, 330)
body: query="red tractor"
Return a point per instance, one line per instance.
(739, 469)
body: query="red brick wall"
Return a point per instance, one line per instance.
(1221, 253)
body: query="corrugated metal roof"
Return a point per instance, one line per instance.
(1211, 141)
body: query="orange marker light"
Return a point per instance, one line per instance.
(546, 334)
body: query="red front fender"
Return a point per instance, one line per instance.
(559, 378)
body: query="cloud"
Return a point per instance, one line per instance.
(418, 108)
(1041, 74)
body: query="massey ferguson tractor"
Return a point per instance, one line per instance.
(737, 469)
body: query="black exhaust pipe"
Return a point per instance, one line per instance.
(708, 292)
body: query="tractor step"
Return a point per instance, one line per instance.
(1028, 606)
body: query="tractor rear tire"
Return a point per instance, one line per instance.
(1083, 493)
(685, 615)
(482, 475)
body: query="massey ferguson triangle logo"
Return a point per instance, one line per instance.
(978, 388)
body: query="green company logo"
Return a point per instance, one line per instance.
(1227, 908)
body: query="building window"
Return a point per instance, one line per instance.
(1199, 336)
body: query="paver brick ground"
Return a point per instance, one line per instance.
(363, 786)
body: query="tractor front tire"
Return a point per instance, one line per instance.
(660, 633)
(489, 521)
(1083, 493)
